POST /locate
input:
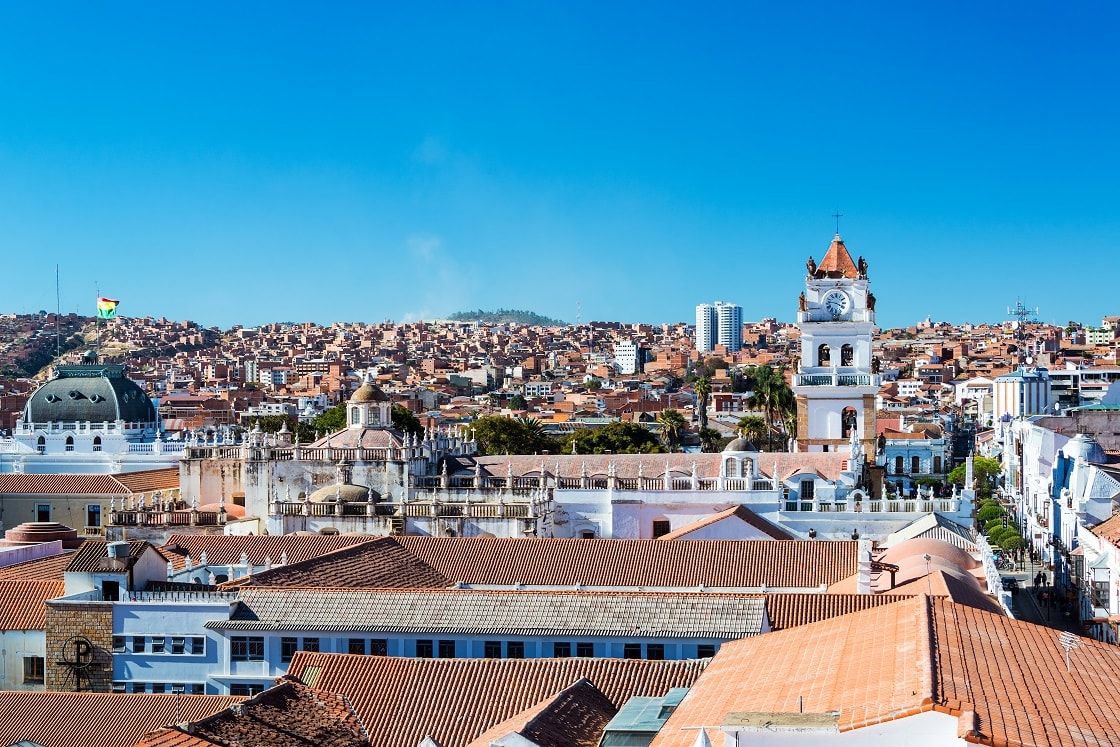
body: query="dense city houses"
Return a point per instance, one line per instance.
(298, 534)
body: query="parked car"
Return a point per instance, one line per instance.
(1010, 584)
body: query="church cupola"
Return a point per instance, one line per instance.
(368, 407)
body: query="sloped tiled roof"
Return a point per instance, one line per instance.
(741, 513)
(93, 556)
(402, 700)
(22, 603)
(1005, 680)
(1109, 529)
(958, 587)
(374, 564)
(933, 526)
(837, 263)
(150, 479)
(499, 613)
(125, 483)
(792, 610)
(224, 549)
(289, 714)
(574, 717)
(627, 563)
(49, 568)
(64, 719)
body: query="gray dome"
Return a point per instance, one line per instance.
(1086, 447)
(348, 492)
(93, 392)
(740, 444)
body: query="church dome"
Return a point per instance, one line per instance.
(740, 444)
(1085, 447)
(368, 392)
(348, 493)
(89, 392)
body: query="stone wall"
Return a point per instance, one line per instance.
(92, 621)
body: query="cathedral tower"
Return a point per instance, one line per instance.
(837, 379)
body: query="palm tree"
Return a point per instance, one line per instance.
(709, 440)
(703, 389)
(672, 425)
(752, 427)
(773, 396)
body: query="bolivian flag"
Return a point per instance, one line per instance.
(106, 308)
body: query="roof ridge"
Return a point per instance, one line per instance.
(927, 648)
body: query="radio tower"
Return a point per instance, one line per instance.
(1022, 315)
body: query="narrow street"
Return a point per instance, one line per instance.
(1041, 607)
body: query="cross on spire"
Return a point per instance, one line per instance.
(837, 215)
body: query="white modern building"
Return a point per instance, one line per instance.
(719, 324)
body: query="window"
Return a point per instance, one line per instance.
(378, 647)
(587, 534)
(118, 644)
(244, 689)
(93, 515)
(41, 445)
(846, 355)
(632, 651)
(118, 687)
(110, 591)
(198, 645)
(515, 650)
(447, 649)
(198, 689)
(655, 651)
(139, 644)
(807, 488)
(823, 355)
(661, 527)
(97, 443)
(356, 646)
(585, 650)
(178, 644)
(69, 443)
(705, 651)
(310, 644)
(561, 649)
(157, 645)
(34, 669)
(424, 649)
(137, 687)
(246, 648)
(288, 648)
(937, 464)
(915, 465)
(159, 687)
(43, 512)
(898, 468)
(492, 649)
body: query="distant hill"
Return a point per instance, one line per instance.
(506, 316)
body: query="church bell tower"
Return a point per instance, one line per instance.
(837, 379)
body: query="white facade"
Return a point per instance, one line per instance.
(719, 324)
(1024, 392)
(706, 323)
(626, 357)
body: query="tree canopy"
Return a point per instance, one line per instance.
(616, 438)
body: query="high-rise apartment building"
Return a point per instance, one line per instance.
(719, 324)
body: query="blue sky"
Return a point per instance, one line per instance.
(254, 162)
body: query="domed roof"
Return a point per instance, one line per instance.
(740, 444)
(1086, 447)
(348, 492)
(368, 392)
(93, 392)
(919, 547)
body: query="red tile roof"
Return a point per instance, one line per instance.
(22, 603)
(93, 556)
(574, 717)
(792, 610)
(121, 484)
(402, 700)
(837, 263)
(742, 513)
(290, 714)
(1005, 679)
(62, 719)
(41, 569)
(1109, 529)
(636, 563)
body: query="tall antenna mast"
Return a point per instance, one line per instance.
(1022, 315)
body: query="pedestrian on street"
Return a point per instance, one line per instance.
(1037, 580)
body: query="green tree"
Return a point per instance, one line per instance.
(703, 389)
(753, 428)
(710, 440)
(498, 435)
(616, 438)
(989, 512)
(405, 420)
(984, 470)
(672, 427)
(331, 420)
(1011, 542)
(774, 398)
(593, 384)
(517, 402)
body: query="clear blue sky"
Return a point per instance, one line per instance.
(254, 162)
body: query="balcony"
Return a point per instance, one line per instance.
(836, 377)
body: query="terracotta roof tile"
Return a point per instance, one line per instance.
(93, 555)
(791, 610)
(95, 719)
(1109, 529)
(625, 563)
(378, 563)
(574, 717)
(909, 657)
(402, 700)
(49, 568)
(23, 603)
(150, 479)
(124, 483)
(739, 512)
(837, 263)
(289, 714)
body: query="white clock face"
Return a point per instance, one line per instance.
(836, 302)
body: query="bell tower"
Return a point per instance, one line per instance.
(837, 379)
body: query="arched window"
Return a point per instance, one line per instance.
(355, 416)
(847, 355)
(69, 443)
(97, 443)
(41, 445)
(823, 355)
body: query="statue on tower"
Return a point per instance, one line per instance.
(870, 301)
(811, 266)
(802, 303)
(861, 265)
